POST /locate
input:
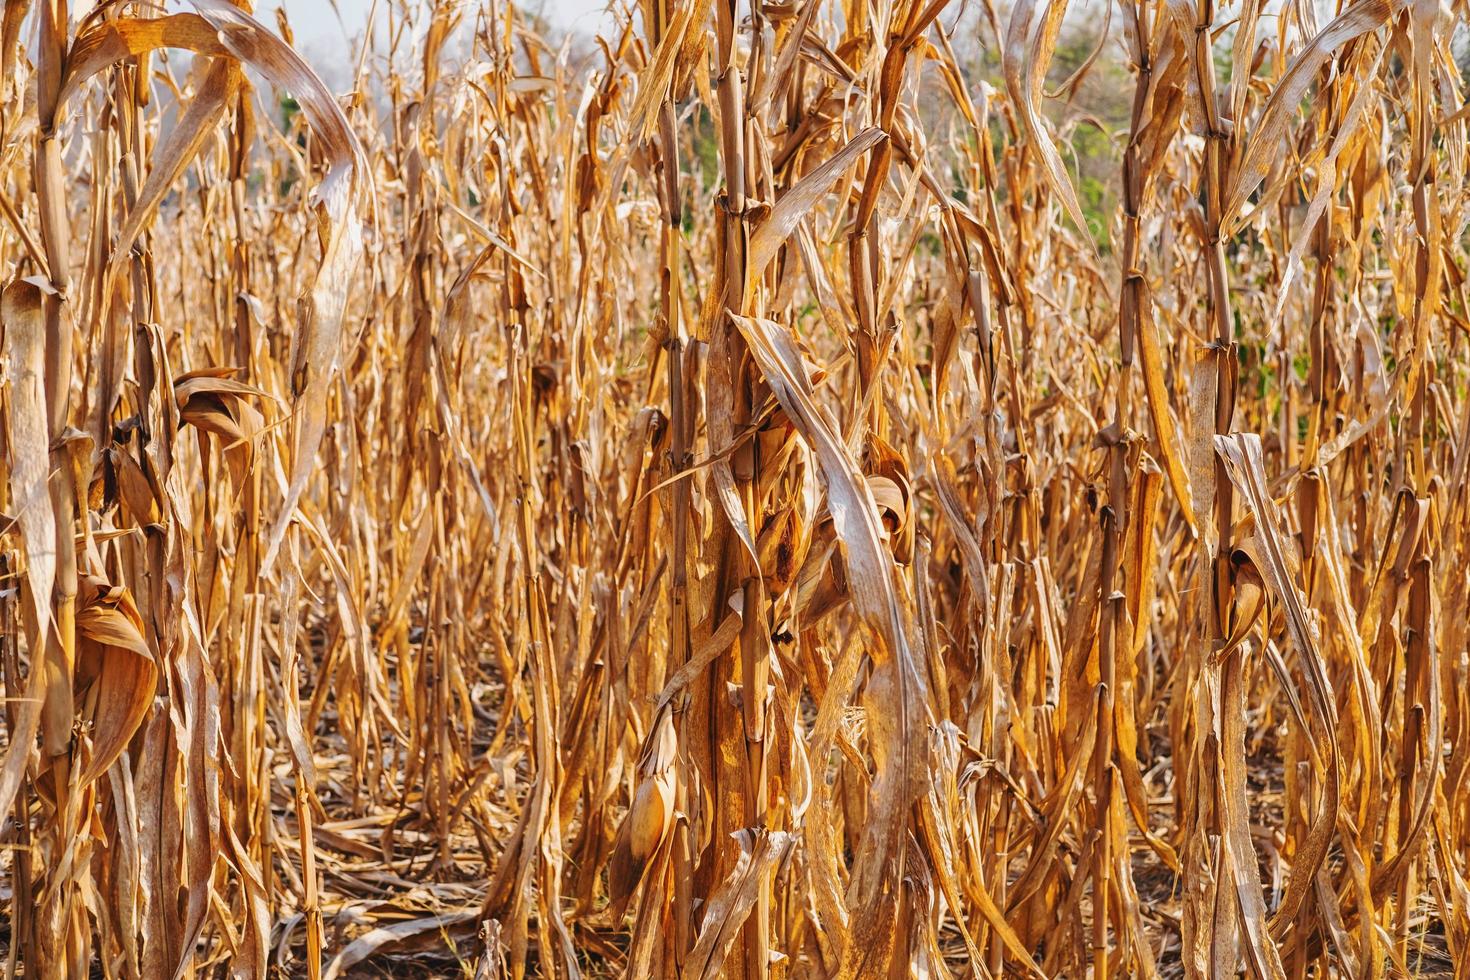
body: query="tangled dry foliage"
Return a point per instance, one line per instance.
(720, 508)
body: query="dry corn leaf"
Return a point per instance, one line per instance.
(1245, 467)
(787, 213)
(1027, 53)
(1286, 99)
(29, 466)
(761, 851)
(336, 200)
(116, 674)
(591, 588)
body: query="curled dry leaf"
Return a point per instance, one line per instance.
(117, 676)
(212, 401)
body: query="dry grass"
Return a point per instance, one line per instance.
(701, 505)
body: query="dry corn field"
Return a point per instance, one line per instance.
(770, 490)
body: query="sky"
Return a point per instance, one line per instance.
(314, 20)
(331, 45)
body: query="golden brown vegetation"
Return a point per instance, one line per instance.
(724, 504)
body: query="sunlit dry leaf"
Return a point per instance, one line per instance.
(1027, 54)
(116, 674)
(27, 461)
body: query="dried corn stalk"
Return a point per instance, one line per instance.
(814, 489)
